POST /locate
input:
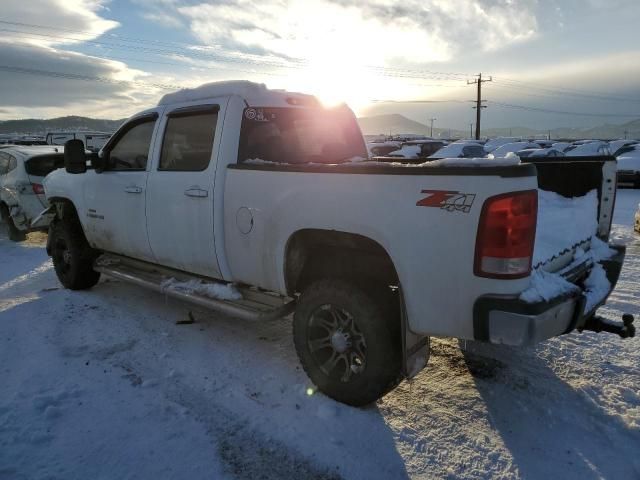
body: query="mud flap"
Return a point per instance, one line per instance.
(415, 348)
(44, 218)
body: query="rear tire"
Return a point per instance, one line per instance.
(15, 234)
(347, 342)
(71, 254)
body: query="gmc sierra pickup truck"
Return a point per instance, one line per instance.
(258, 203)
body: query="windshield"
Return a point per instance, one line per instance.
(298, 136)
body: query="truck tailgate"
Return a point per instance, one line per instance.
(576, 200)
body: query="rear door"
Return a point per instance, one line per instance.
(180, 190)
(115, 199)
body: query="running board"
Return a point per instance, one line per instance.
(254, 305)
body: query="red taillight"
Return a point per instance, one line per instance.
(506, 235)
(37, 188)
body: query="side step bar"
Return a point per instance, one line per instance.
(255, 305)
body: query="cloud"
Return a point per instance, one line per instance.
(29, 84)
(78, 15)
(416, 31)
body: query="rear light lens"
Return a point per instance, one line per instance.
(506, 235)
(37, 188)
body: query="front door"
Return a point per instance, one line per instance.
(180, 192)
(115, 199)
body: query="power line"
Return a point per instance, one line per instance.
(89, 78)
(562, 91)
(561, 112)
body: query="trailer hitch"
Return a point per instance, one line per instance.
(601, 324)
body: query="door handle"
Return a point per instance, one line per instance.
(133, 189)
(196, 192)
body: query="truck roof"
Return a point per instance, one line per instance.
(255, 94)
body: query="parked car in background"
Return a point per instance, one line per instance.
(22, 171)
(514, 147)
(562, 146)
(417, 149)
(539, 153)
(543, 143)
(590, 148)
(637, 223)
(494, 143)
(93, 141)
(460, 150)
(380, 149)
(628, 167)
(616, 147)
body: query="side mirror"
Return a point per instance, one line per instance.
(75, 158)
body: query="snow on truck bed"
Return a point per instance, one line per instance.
(563, 223)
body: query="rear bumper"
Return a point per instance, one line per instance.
(508, 320)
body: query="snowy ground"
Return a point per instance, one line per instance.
(104, 384)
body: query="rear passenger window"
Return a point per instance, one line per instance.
(188, 139)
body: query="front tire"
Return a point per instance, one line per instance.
(72, 256)
(347, 342)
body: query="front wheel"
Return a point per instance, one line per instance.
(72, 256)
(347, 342)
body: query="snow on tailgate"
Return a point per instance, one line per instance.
(563, 223)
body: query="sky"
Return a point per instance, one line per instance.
(552, 62)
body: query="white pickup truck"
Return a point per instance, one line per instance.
(258, 203)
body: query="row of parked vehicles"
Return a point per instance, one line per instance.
(260, 203)
(627, 152)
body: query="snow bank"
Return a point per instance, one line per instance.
(563, 223)
(219, 291)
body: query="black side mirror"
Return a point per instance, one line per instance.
(75, 158)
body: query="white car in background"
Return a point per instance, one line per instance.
(616, 146)
(628, 167)
(562, 146)
(494, 143)
(22, 170)
(460, 150)
(539, 153)
(590, 148)
(514, 147)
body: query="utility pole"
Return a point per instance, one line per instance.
(432, 120)
(471, 130)
(626, 132)
(479, 81)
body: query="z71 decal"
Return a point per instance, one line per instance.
(447, 200)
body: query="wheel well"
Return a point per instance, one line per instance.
(313, 254)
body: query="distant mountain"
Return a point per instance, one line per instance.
(37, 126)
(391, 124)
(396, 124)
